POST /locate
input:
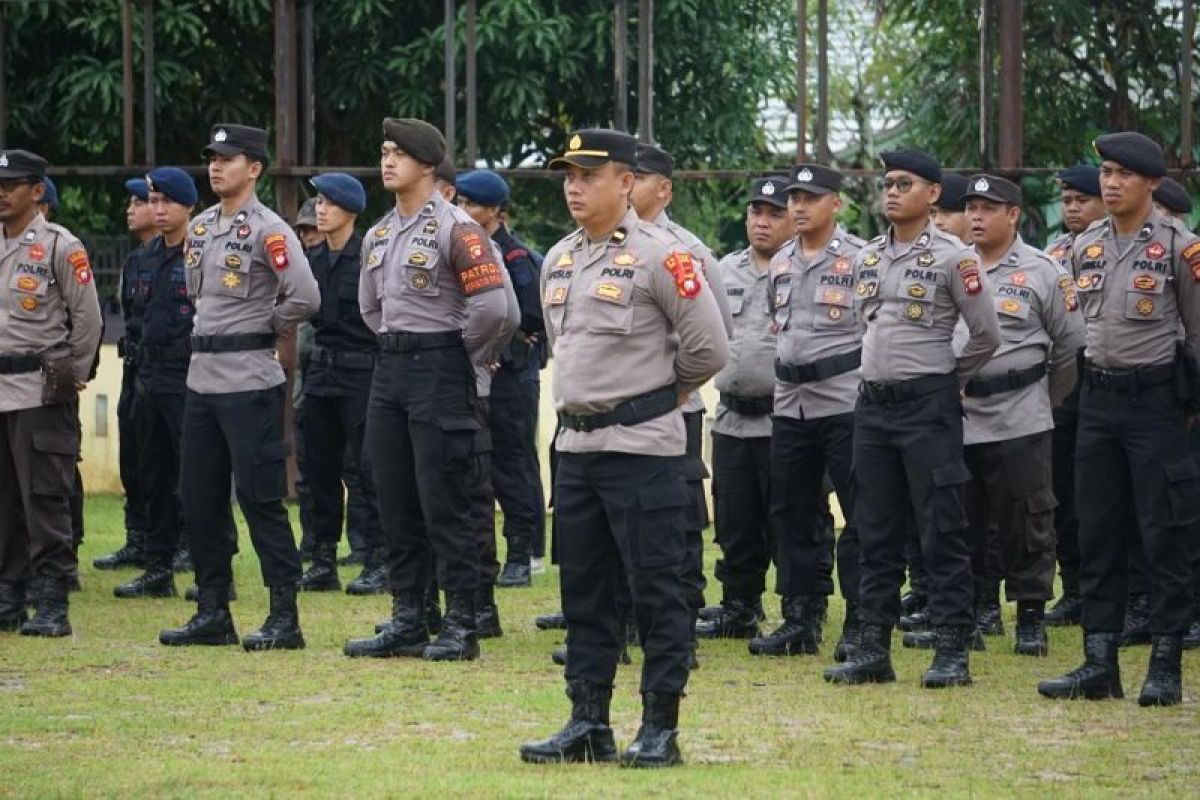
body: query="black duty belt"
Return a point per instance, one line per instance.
(902, 391)
(179, 350)
(407, 342)
(1011, 381)
(750, 406)
(17, 363)
(633, 411)
(819, 370)
(233, 342)
(1124, 380)
(344, 359)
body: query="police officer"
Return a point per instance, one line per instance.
(1007, 405)
(741, 432)
(159, 299)
(49, 203)
(816, 372)
(432, 288)
(1171, 198)
(139, 218)
(306, 226)
(949, 212)
(49, 331)
(1139, 273)
(515, 387)
(249, 280)
(337, 383)
(913, 284)
(635, 328)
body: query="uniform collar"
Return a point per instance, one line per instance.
(923, 241)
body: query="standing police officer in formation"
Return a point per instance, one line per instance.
(139, 218)
(159, 299)
(1139, 290)
(49, 331)
(249, 281)
(515, 387)
(337, 384)
(913, 284)
(636, 329)
(949, 212)
(741, 432)
(1171, 198)
(429, 289)
(816, 376)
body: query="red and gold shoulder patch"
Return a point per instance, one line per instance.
(78, 259)
(968, 270)
(1191, 257)
(1067, 286)
(683, 268)
(473, 243)
(277, 250)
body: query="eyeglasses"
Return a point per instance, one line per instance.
(902, 185)
(12, 184)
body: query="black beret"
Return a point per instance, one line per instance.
(771, 190)
(815, 179)
(416, 137)
(446, 171)
(954, 186)
(653, 160)
(595, 147)
(226, 139)
(1083, 178)
(991, 187)
(1173, 197)
(1134, 151)
(918, 163)
(22, 164)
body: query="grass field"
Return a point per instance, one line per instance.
(110, 712)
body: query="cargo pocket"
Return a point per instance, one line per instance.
(1039, 520)
(950, 497)
(1183, 491)
(269, 476)
(53, 472)
(657, 526)
(460, 436)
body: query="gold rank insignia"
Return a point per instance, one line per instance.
(925, 259)
(1010, 306)
(609, 291)
(382, 232)
(29, 303)
(231, 280)
(559, 296)
(1145, 282)
(565, 260)
(1085, 281)
(418, 259)
(625, 259)
(871, 260)
(374, 259)
(914, 311)
(233, 262)
(193, 258)
(419, 280)
(1093, 251)
(917, 291)
(200, 229)
(1145, 306)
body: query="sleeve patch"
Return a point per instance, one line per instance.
(1067, 286)
(683, 270)
(473, 243)
(78, 259)
(479, 277)
(277, 250)
(1191, 256)
(514, 254)
(968, 270)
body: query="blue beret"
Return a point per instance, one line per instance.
(918, 163)
(176, 184)
(342, 190)
(50, 198)
(954, 187)
(483, 187)
(1082, 178)
(137, 188)
(1133, 151)
(1173, 197)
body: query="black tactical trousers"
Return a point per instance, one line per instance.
(621, 516)
(38, 448)
(1135, 476)
(516, 474)
(1010, 503)
(240, 432)
(483, 501)
(159, 426)
(740, 487)
(132, 473)
(908, 459)
(1066, 521)
(333, 430)
(696, 518)
(422, 425)
(802, 452)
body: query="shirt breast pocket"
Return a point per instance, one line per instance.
(233, 276)
(737, 303)
(1091, 292)
(782, 301)
(1144, 296)
(610, 307)
(916, 302)
(28, 296)
(1011, 309)
(420, 273)
(834, 305)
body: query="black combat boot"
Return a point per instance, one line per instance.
(1137, 621)
(656, 744)
(1191, 638)
(322, 576)
(709, 613)
(850, 634)
(914, 610)
(182, 562)
(12, 606)
(433, 609)
(586, 736)
(51, 597)
(1031, 629)
(281, 630)
(927, 640)
(1164, 680)
(130, 555)
(211, 624)
(192, 594)
(487, 615)
(951, 659)
(457, 641)
(1067, 611)
(554, 621)
(871, 661)
(912, 601)
(374, 576)
(737, 620)
(800, 633)
(156, 581)
(403, 636)
(1098, 678)
(516, 571)
(989, 618)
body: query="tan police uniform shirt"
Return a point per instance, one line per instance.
(750, 371)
